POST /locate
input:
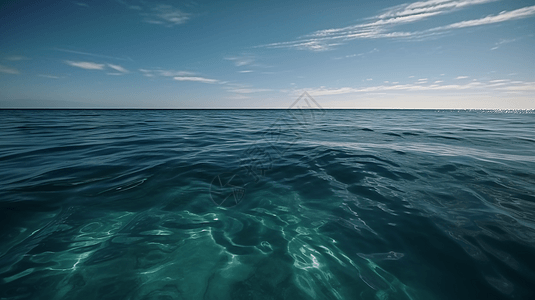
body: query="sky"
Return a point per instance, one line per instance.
(444, 54)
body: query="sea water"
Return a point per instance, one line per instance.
(267, 204)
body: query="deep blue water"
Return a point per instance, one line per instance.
(267, 204)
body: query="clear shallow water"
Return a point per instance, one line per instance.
(260, 204)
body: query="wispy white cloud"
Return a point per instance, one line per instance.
(247, 63)
(92, 54)
(243, 60)
(316, 44)
(147, 73)
(158, 13)
(85, 65)
(118, 68)
(362, 54)
(523, 86)
(171, 73)
(7, 70)
(461, 77)
(502, 42)
(493, 85)
(165, 15)
(501, 17)
(398, 87)
(381, 26)
(432, 6)
(49, 76)
(129, 5)
(81, 4)
(16, 58)
(196, 79)
(165, 73)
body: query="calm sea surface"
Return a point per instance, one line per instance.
(267, 204)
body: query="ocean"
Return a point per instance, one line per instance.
(267, 204)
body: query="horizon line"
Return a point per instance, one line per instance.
(331, 108)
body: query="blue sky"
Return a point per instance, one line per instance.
(264, 54)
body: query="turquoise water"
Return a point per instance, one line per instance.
(267, 204)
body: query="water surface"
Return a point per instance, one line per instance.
(267, 204)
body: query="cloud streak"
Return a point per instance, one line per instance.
(196, 79)
(164, 73)
(49, 76)
(166, 15)
(16, 58)
(160, 14)
(241, 61)
(179, 76)
(92, 54)
(502, 42)
(85, 65)
(498, 85)
(7, 70)
(81, 4)
(501, 17)
(382, 25)
(426, 7)
(118, 68)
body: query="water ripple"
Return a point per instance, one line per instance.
(356, 204)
